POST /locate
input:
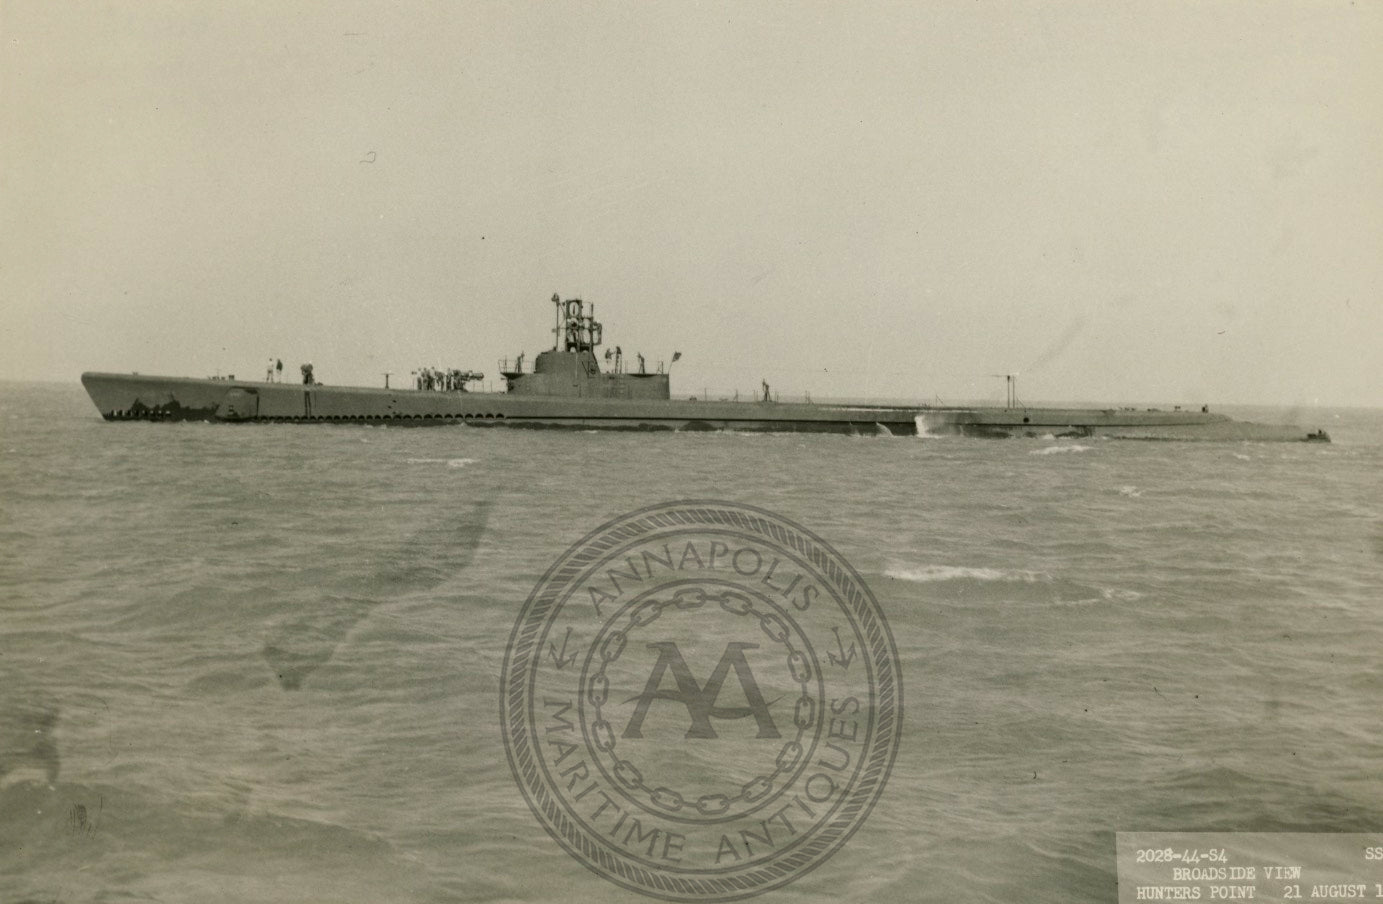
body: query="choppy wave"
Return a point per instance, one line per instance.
(927, 573)
(449, 462)
(1102, 595)
(1053, 450)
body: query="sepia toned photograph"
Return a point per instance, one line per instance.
(541, 453)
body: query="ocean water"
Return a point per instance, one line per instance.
(261, 663)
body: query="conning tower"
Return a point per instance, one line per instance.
(571, 369)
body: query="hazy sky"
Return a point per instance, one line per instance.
(1122, 202)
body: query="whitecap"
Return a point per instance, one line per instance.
(1130, 491)
(1107, 595)
(1052, 449)
(929, 573)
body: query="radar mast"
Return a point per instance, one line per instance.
(576, 330)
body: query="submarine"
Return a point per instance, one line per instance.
(566, 388)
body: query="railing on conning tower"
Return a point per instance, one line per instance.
(576, 330)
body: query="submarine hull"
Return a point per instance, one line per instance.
(134, 397)
(566, 388)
